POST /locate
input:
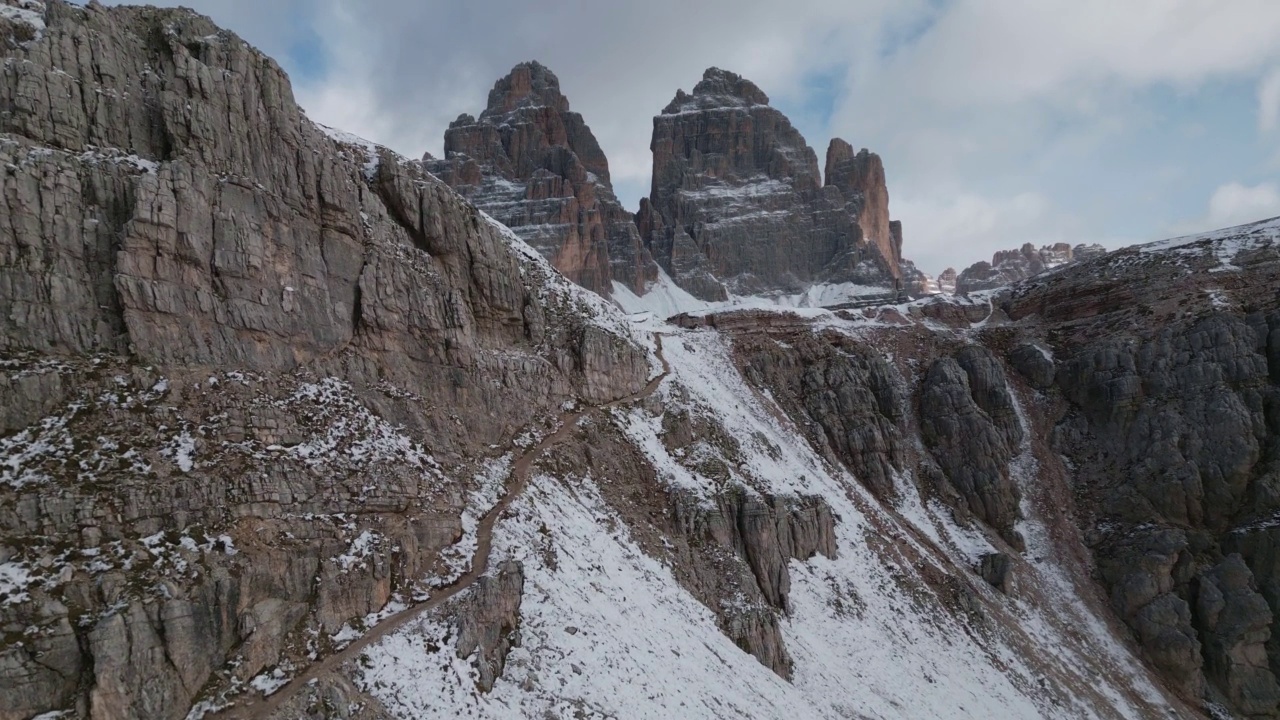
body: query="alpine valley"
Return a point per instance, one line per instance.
(292, 426)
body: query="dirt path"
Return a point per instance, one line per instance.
(257, 706)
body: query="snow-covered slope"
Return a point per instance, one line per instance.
(664, 298)
(607, 630)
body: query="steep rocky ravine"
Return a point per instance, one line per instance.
(269, 392)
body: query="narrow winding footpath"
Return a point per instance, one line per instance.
(259, 707)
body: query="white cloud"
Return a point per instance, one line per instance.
(957, 230)
(1235, 204)
(1003, 81)
(1269, 101)
(423, 63)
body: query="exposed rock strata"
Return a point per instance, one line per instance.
(1172, 395)
(738, 205)
(488, 621)
(731, 553)
(254, 377)
(193, 270)
(847, 395)
(970, 426)
(534, 165)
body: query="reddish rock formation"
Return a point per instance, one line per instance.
(535, 166)
(861, 178)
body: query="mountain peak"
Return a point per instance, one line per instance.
(718, 89)
(529, 84)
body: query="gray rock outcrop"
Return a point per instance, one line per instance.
(843, 398)
(1010, 266)
(1235, 624)
(738, 205)
(997, 570)
(968, 422)
(1171, 396)
(488, 621)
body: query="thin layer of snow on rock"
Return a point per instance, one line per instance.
(665, 299)
(702, 365)
(607, 631)
(359, 550)
(371, 150)
(1224, 244)
(270, 681)
(704, 382)
(754, 188)
(1097, 642)
(556, 288)
(827, 294)
(347, 431)
(25, 12)
(14, 580)
(490, 486)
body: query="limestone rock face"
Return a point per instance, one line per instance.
(1035, 364)
(969, 424)
(860, 177)
(738, 205)
(535, 166)
(850, 395)
(258, 380)
(997, 569)
(489, 620)
(1009, 266)
(1235, 623)
(1170, 377)
(244, 319)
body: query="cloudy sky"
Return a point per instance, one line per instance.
(999, 121)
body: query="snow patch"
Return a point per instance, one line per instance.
(1224, 244)
(26, 12)
(369, 148)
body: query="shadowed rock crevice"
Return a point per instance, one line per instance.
(968, 422)
(843, 398)
(730, 551)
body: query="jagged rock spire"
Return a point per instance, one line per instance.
(534, 165)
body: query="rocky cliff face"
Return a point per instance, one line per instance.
(533, 165)
(738, 205)
(860, 179)
(289, 429)
(220, 327)
(1169, 374)
(1009, 266)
